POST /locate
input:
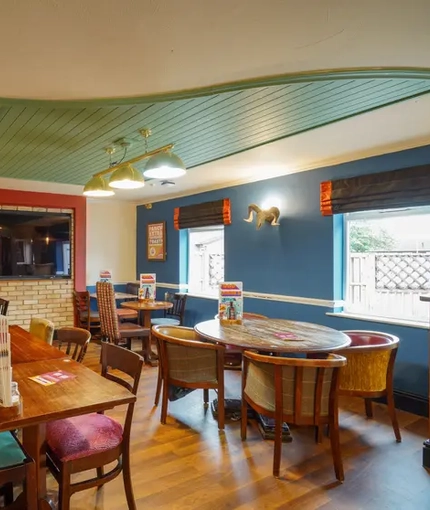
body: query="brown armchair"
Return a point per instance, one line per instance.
(187, 362)
(298, 391)
(369, 371)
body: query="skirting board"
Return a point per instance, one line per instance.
(415, 404)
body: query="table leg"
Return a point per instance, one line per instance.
(152, 356)
(34, 438)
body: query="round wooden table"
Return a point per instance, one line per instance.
(274, 335)
(271, 335)
(144, 308)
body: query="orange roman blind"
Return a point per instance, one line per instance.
(407, 187)
(206, 214)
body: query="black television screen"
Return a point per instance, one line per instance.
(34, 244)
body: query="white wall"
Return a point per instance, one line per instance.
(111, 240)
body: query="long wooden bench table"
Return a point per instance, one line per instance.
(88, 392)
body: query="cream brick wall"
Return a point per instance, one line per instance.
(51, 299)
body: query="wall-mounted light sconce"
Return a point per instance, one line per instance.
(270, 215)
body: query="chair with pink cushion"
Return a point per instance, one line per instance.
(369, 371)
(92, 441)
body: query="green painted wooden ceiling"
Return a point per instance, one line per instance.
(65, 143)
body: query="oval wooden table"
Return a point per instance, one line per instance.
(274, 335)
(271, 335)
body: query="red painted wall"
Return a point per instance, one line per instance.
(51, 200)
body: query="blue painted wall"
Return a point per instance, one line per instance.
(301, 257)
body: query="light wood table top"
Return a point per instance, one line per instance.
(274, 335)
(147, 305)
(27, 348)
(118, 295)
(88, 392)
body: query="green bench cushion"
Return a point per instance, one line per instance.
(10, 452)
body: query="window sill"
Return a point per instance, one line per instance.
(381, 320)
(202, 296)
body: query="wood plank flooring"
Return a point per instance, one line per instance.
(188, 464)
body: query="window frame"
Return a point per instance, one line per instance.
(347, 309)
(207, 292)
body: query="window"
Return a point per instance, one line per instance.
(388, 263)
(205, 259)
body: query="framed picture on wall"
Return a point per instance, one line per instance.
(156, 241)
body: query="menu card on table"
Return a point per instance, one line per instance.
(5, 364)
(230, 303)
(105, 275)
(147, 287)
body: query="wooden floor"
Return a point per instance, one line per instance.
(189, 464)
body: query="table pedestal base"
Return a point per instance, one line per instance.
(267, 428)
(266, 425)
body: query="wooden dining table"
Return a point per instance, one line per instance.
(274, 335)
(118, 295)
(85, 392)
(145, 308)
(278, 336)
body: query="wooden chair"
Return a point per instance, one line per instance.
(187, 362)
(369, 371)
(114, 331)
(4, 305)
(42, 328)
(75, 340)
(172, 316)
(92, 441)
(132, 288)
(298, 391)
(85, 318)
(16, 467)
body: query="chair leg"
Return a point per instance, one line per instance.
(8, 493)
(319, 433)
(221, 407)
(243, 419)
(277, 447)
(393, 415)
(206, 396)
(126, 474)
(159, 385)
(64, 488)
(368, 407)
(100, 474)
(335, 448)
(164, 400)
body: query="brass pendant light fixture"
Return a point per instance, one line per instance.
(162, 164)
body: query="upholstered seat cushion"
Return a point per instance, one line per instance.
(11, 453)
(165, 321)
(82, 436)
(129, 330)
(123, 313)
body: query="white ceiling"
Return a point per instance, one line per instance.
(389, 129)
(72, 49)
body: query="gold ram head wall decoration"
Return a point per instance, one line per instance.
(270, 215)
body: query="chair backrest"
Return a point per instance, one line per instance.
(107, 311)
(42, 328)
(371, 358)
(132, 288)
(178, 309)
(4, 305)
(75, 341)
(297, 390)
(128, 362)
(81, 308)
(186, 359)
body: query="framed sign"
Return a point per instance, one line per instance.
(156, 241)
